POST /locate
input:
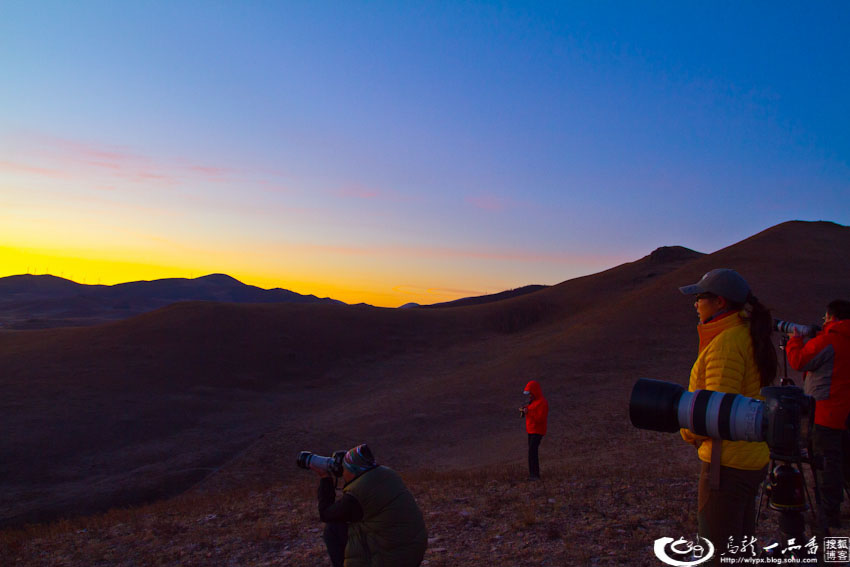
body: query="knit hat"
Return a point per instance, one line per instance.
(723, 282)
(359, 460)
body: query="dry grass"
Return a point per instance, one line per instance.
(609, 491)
(605, 510)
(585, 512)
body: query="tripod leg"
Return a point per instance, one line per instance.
(793, 527)
(818, 518)
(845, 461)
(763, 490)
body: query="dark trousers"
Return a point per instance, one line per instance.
(830, 444)
(534, 440)
(729, 511)
(336, 538)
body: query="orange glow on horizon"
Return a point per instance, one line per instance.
(110, 271)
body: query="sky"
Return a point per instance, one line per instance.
(395, 152)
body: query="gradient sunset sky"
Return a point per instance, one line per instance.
(390, 152)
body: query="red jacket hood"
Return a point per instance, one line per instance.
(535, 390)
(538, 410)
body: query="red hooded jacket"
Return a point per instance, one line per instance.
(826, 360)
(538, 410)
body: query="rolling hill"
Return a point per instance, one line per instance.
(45, 301)
(226, 394)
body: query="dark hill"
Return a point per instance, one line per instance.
(481, 299)
(113, 414)
(39, 286)
(39, 302)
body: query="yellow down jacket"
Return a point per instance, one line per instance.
(726, 364)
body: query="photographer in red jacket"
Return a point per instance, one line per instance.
(536, 412)
(826, 361)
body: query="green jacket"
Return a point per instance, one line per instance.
(392, 531)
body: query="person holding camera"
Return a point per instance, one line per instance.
(736, 355)
(377, 520)
(826, 361)
(536, 413)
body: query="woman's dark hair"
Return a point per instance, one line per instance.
(761, 331)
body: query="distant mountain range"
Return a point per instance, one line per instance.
(45, 301)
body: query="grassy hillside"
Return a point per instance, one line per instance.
(231, 394)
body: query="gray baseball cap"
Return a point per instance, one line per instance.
(723, 282)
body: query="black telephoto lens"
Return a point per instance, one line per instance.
(654, 405)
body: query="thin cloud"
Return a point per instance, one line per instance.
(13, 167)
(366, 193)
(210, 170)
(273, 187)
(70, 158)
(490, 203)
(78, 159)
(463, 253)
(92, 154)
(358, 192)
(414, 289)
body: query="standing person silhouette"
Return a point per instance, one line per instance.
(826, 361)
(536, 413)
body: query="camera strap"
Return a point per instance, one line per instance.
(714, 466)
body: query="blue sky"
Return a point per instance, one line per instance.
(392, 151)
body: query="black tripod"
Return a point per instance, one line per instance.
(787, 493)
(785, 488)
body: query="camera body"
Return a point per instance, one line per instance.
(785, 408)
(331, 465)
(664, 406)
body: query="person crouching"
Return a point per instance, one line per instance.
(377, 520)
